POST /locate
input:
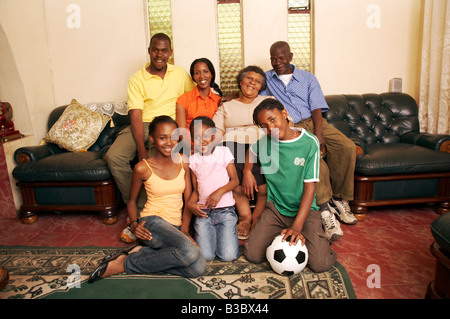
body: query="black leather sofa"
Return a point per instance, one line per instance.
(396, 164)
(53, 179)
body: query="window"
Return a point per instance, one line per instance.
(160, 19)
(299, 33)
(230, 43)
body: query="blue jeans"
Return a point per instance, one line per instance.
(216, 235)
(168, 251)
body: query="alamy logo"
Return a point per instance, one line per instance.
(74, 19)
(374, 19)
(299, 161)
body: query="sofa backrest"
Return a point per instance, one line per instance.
(373, 118)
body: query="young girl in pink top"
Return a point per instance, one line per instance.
(213, 176)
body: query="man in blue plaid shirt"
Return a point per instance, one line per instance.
(300, 93)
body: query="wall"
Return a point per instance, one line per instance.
(361, 45)
(57, 51)
(93, 62)
(261, 29)
(25, 80)
(194, 27)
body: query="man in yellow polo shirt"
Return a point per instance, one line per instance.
(152, 91)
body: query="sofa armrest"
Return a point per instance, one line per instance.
(410, 137)
(35, 153)
(360, 146)
(436, 142)
(103, 151)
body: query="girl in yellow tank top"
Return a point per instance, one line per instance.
(166, 180)
(164, 196)
(164, 246)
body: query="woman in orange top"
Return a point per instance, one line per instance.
(201, 101)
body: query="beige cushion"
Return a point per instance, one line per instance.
(77, 129)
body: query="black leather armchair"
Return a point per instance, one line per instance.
(396, 164)
(53, 179)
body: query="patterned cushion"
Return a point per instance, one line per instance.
(77, 129)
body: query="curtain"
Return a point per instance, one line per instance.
(434, 100)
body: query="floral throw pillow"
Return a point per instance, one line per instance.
(77, 129)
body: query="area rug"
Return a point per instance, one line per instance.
(62, 273)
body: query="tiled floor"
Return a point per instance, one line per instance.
(397, 240)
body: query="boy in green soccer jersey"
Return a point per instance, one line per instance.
(289, 159)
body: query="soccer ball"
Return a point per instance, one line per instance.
(287, 260)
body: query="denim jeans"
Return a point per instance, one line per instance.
(168, 251)
(216, 235)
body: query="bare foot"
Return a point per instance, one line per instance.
(243, 230)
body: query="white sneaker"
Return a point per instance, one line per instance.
(331, 226)
(341, 209)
